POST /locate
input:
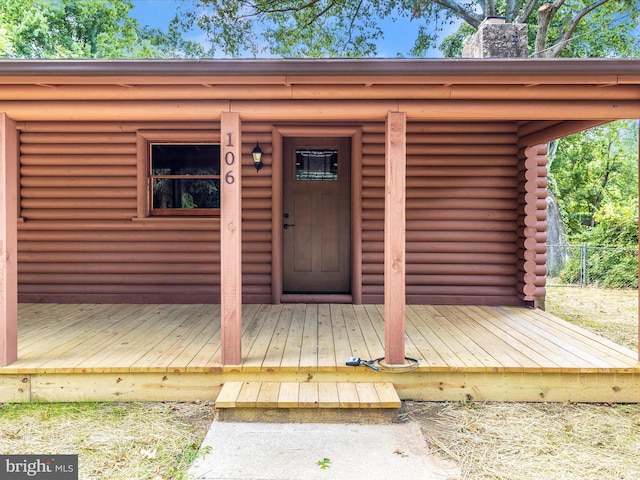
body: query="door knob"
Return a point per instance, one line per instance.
(287, 225)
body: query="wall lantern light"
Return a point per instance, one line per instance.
(257, 157)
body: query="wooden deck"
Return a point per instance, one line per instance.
(172, 352)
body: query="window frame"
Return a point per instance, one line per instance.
(147, 138)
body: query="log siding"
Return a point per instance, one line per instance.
(83, 238)
(462, 201)
(532, 228)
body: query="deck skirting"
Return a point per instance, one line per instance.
(428, 386)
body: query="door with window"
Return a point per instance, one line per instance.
(316, 215)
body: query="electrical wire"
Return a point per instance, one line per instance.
(378, 365)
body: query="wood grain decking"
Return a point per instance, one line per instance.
(464, 351)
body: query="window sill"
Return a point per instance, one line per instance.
(176, 220)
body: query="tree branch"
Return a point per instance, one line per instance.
(526, 11)
(352, 24)
(489, 8)
(568, 29)
(472, 19)
(511, 10)
(267, 8)
(545, 16)
(328, 7)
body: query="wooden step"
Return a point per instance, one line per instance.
(322, 402)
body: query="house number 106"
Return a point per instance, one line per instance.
(229, 159)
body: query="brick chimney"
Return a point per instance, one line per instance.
(497, 39)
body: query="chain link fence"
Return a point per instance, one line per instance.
(582, 265)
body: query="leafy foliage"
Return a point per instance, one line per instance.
(608, 31)
(612, 256)
(84, 29)
(595, 179)
(318, 28)
(593, 170)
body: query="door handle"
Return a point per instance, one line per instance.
(287, 225)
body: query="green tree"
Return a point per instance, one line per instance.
(594, 177)
(593, 171)
(83, 29)
(314, 28)
(607, 31)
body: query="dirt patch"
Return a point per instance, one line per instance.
(607, 312)
(112, 440)
(525, 441)
(522, 441)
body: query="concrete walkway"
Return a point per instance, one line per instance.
(272, 451)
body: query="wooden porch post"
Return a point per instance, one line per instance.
(231, 239)
(8, 241)
(394, 237)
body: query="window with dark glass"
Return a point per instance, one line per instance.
(184, 179)
(317, 164)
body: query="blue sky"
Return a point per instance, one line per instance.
(399, 36)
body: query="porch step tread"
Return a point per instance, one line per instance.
(308, 395)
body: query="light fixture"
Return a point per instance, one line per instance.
(257, 157)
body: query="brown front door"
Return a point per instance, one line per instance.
(317, 215)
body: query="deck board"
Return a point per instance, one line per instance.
(254, 356)
(340, 335)
(450, 337)
(353, 328)
(434, 351)
(609, 350)
(292, 347)
(308, 356)
(301, 342)
(570, 349)
(374, 343)
(201, 354)
(546, 354)
(326, 344)
(275, 350)
(514, 341)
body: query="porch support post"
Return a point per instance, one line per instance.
(231, 239)
(8, 241)
(394, 237)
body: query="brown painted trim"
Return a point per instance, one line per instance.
(8, 241)
(316, 298)
(356, 217)
(345, 111)
(276, 216)
(558, 131)
(420, 89)
(144, 137)
(322, 67)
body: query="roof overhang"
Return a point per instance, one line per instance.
(376, 67)
(547, 97)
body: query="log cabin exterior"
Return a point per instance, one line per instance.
(383, 181)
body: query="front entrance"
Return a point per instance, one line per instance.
(316, 215)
